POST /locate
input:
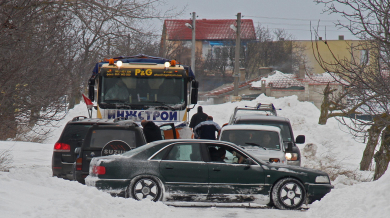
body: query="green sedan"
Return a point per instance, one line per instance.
(205, 171)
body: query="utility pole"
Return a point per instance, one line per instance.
(237, 56)
(193, 42)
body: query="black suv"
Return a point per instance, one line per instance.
(106, 140)
(72, 137)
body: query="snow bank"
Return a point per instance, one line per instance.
(368, 199)
(29, 190)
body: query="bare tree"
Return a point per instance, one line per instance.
(48, 48)
(220, 59)
(367, 72)
(275, 50)
(33, 75)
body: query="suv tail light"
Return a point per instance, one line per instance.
(99, 170)
(61, 147)
(79, 163)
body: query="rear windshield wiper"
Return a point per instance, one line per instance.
(251, 143)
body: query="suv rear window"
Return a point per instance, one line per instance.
(75, 131)
(100, 138)
(284, 127)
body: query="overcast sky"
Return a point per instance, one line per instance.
(294, 16)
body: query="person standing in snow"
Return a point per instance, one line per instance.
(198, 117)
(151, 131)
(207, 129)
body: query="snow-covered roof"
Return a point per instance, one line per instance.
(324, 78)
(279, 80)
(283, 80)
(229, 88)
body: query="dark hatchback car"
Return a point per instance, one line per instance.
(103, 140)
(72, 137)
(206, 171)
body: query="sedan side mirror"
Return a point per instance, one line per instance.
(249, 162)
(300, 139)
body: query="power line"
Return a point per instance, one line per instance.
(340, 31)
(283, 18)
(290, 24)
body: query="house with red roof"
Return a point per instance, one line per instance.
(209, 34)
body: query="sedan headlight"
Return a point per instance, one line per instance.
(291, 156)
(322, 179)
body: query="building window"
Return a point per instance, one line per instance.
(187, 44)
(365, 57)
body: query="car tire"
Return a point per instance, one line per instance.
(288, 194)
(145, 187)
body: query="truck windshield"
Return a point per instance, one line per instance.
(259, 138)
(151, 91)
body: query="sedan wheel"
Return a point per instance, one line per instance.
(145, 188)
(288, 194)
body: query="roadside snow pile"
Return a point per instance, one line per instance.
(332, 148)
(334, 145)
(29, 190)
(367, 199)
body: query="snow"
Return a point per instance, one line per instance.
(279, 80)
(29, 190)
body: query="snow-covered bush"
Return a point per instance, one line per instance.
(5, 160)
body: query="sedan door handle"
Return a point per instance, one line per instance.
(168, 167)
(216, 169)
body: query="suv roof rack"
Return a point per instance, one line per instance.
(266, 107)
(78, 118)
(259, 107)
(119, 119)
(269, 109)
(125, 121)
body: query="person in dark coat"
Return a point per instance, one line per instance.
(206, 129)
(198, 117)
(151, 131)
